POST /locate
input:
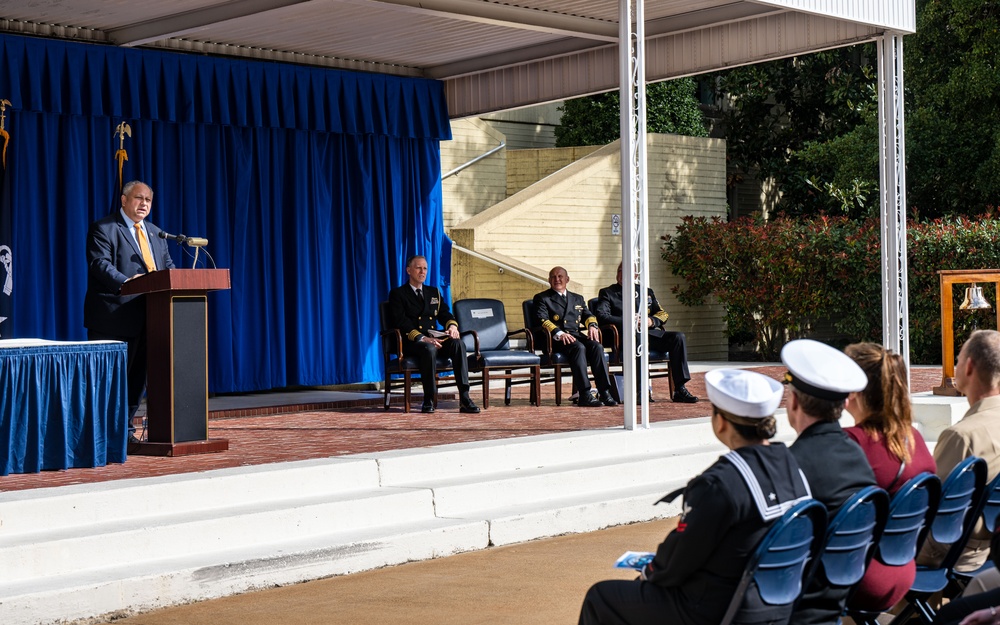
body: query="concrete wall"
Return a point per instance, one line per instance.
(479, 186)
(526, 167)
(566, 220)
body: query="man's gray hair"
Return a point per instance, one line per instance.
(983, 348)
(128, 186)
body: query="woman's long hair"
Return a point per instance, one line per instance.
(887, 397)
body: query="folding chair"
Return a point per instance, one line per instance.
(774, 574)
(990, 506)
(911, 513)
(953, 523)
(487, 341)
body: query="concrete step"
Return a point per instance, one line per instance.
(146, 584)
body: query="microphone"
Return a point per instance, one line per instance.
(183, 240)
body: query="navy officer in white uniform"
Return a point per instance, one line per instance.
(698, 566)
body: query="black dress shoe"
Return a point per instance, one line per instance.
(683, 396)
(607, 399)
(467, 406)
(589, 400)
(427, 407)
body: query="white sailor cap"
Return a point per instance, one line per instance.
(743, 393)
(822, 371)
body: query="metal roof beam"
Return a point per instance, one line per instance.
(180, 24)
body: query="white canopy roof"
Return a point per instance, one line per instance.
(491, 55)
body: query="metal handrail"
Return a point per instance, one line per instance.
(502, 266)
(486, 154)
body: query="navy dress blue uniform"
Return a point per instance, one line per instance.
(414, 317)
(609, 311)
(569, 313)
(698, 566)
(836, 468)
(113, 256)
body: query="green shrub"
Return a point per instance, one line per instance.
(777, 279)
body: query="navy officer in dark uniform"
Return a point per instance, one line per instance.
(609, 312)
(821, 377)
(727, 511)
(565, 315)
(415, 309)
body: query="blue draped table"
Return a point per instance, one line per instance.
(63, 405)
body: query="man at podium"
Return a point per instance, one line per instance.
(122, 246)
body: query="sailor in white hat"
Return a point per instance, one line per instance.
(820, 378)
(727, 510)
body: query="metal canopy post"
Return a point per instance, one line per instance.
(632, 76)
(892, 193)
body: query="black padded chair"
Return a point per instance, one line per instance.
(487, 340)
(659, 362)
(395, 363)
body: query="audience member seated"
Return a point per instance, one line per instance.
(698, 566)
(895, 450)
(977, 375)
(821, 378)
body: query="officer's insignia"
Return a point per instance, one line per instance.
(578, 307)
(435, 301)
(555, 317)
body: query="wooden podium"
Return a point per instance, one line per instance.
(177, 359)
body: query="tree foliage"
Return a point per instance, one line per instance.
(671, 107)
(779, 279)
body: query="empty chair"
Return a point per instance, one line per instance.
(956, 516)
(911, 512)
(487, 341)
(774, 575)
(394, 362)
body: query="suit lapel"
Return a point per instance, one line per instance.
(127, 234)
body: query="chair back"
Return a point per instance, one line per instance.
(991, 505)
(959, 493)
(592, 304)
(774, 573)
(383, 317)
(486, 317)
(911, 513)
(852, 532)
(530, 318)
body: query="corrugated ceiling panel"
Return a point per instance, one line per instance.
(669, 56)
(900, 15)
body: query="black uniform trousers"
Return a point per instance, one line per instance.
(427, 355)
(581, 353)
(628, 602)
(676, 344)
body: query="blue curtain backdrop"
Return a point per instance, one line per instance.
(312, 186)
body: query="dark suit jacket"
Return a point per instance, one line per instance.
(414, 317)
(609, 309)
(571, 316)
(113, 257)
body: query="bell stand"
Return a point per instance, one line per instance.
(950, 277)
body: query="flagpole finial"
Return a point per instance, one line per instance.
(121, 130)
(3, 113)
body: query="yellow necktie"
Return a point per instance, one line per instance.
(147, 256)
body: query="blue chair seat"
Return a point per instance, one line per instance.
(501, 358)
(929, 581)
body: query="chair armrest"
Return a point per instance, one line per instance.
(528, 338)
(475, 339)
(613, 339)
(392, 338)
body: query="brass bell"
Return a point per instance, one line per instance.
(974, 299)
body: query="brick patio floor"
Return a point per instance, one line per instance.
(306, 432)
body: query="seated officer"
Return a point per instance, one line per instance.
(564, 314)
(699, 565)
(414, 309)
(820, 379)
(609, 312)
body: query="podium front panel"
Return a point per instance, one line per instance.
(190, 364)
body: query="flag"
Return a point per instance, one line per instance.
(6, 238)
(120, 157)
